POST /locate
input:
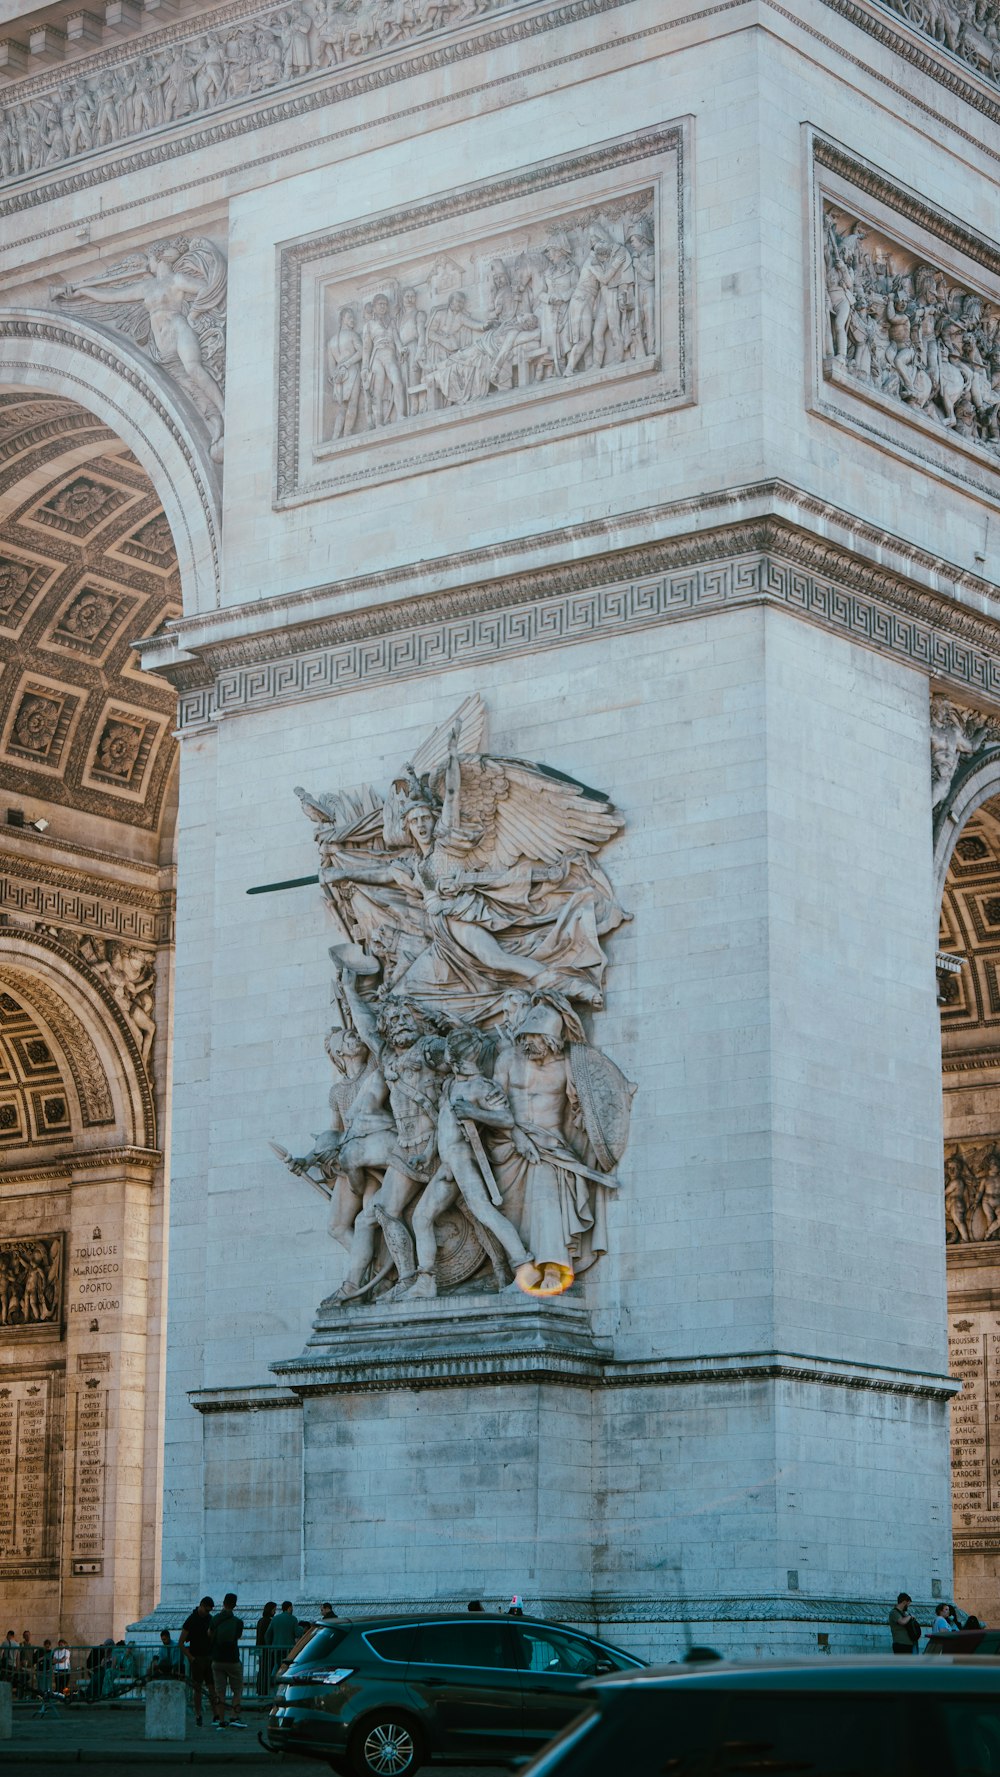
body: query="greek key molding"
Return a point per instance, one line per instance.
(761, 562)
(28, 891)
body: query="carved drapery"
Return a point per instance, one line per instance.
(474, 1127)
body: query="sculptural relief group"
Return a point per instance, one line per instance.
(30, 1281)
(568, 297)
(474, 1129)
(900, 326)
(972, 1192)
(170, 301)
(194, 76)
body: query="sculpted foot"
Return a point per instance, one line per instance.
(423, 1286)
(527, 1277)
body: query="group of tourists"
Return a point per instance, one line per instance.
(208, 1653)
(906, 1631)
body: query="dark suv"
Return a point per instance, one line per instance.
(381, 1696)
(825, 1717)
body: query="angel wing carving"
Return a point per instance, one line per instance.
(477, 875)
(523, 811)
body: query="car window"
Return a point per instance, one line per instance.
(969, 1728)
(715, 1733)
(392, 1644)
(313, 1648)
(552, 1650)
(464, 1644)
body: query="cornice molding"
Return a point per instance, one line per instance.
(60, 1171)
(768, 559)
(598, 1610)
(320, 1371)
(37, 890)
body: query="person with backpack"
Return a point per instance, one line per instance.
(903, 1626)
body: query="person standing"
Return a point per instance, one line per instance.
(61, 1663)
(327, 1614)
(903, 1626)
(227, 1669)
(195, 1645)
(283, 1631)
(945, 1622)
(265, 1659)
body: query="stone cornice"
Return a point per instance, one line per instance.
(598, 1610)
(321, 1371)
(38, 890)
(59, 1170)
(805, 558)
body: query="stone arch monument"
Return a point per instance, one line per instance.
(521, 434)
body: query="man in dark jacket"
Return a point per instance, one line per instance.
(227, 1668)
(284, 1629)
(195, 1645)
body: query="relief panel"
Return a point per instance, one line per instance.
(511, 312)
(907, 323)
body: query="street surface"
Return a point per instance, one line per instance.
(110, 1737)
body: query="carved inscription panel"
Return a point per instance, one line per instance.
(26, 1531)
(974, 1347)
(545, 301)
(89, 1469)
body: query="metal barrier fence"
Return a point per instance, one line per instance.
(106, 1674)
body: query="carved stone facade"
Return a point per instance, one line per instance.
(557, 379)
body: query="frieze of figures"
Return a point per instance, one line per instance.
(900, 326)
(551, 302)
(969, 28)
(475, 1130)
(193, 76)
(31, 1279)
(972, 1191)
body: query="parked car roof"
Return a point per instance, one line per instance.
(858, 1672)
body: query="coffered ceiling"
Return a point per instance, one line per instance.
(87, 566)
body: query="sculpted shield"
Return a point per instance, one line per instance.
(605, 1096)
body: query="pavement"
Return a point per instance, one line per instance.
(111, 1737)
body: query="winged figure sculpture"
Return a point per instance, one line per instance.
(476, 1127)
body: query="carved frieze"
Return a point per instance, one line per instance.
(475, 1129)
(185, 76)
(971, 31)
(546, 301)
(31, 1282)
(972, 1191)
(908, 323)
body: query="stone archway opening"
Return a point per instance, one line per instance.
(89, 566)
(969, 999)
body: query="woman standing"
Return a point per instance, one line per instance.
(265, 1657)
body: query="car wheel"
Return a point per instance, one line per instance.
(386, 1745)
